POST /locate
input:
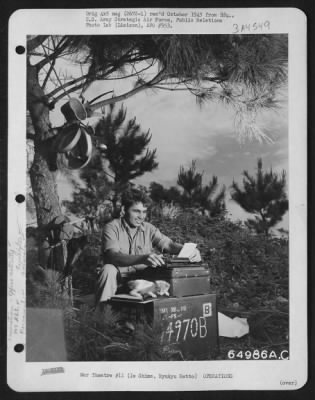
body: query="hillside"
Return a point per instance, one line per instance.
(249, 274)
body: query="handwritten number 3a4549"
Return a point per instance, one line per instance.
(254, 27)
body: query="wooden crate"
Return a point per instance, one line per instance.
(189, 322)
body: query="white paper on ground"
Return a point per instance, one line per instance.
(232, 327)
(187, 250)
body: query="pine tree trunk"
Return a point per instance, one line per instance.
(44, 190)
(43, 180)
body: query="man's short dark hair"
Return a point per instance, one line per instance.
(133, 196)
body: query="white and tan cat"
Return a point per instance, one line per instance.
(141, 288)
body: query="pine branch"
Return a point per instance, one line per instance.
(63, 44)
(99, 96)
(48, 74)
(126, 95)
(35, 42)
(65, 85)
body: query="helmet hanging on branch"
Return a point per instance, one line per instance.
(74, 110)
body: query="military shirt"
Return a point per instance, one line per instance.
(118, 236)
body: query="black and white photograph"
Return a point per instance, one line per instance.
(154, 214)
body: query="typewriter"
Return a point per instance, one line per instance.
(185, 277)
(181, 262)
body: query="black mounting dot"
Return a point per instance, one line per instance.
(20, 49)
(18, 348)
(20, 198)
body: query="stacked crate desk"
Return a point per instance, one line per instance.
(188, 317)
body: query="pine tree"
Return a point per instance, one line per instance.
(127, 151)
(172, 195)
(207, 200)
(159, 193)
(112, 170)
(190, 180)
(195, 194)
(264, 196)
(94, 198)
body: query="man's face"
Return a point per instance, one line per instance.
(136, 214)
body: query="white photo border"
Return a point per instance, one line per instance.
(247, 375)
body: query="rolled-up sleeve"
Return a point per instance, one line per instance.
(110, 239)
(159, 240)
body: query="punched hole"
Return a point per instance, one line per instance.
(20, 49)
(20, 198)
(18, 348)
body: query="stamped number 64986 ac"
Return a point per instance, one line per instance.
(258, 355)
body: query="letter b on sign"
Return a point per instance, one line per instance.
(207, 309)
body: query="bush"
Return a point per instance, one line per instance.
(247, 271)
(245, 268)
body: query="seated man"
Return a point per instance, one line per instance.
(127, 245)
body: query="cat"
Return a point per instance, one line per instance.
(141, 288)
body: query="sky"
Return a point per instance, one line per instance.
(183, 131)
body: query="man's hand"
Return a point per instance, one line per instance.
(195, 257)
(154, 260)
